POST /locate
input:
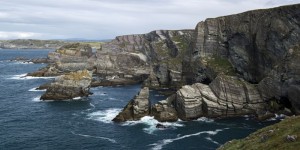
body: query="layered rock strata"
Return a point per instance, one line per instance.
(226, 96)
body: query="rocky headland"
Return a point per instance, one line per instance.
(242, 64)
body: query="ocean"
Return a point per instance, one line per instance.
(28, 123)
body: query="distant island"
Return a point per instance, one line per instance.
(46, 44)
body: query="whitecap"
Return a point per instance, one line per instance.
(159, 145)
(35, 90)
(105, 116)
(76, 98)
(277, 117)
(97, 137)
(151, 123)
(211, 140)
(204, 119)
(36, 99)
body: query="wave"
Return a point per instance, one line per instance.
(35, 90)
(151, 123)
(36, 99)
(159, 145)
(24, 77)
(213, 141)
(204, 119)
(277, 117)
(105, 116)
(97, 137)
(23, 62)
(76, 98)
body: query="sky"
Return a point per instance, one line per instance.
(105, 19)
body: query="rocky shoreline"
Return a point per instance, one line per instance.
(243, 64)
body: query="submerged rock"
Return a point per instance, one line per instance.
(137, 108)
(74, 84)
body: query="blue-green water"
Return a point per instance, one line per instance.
(27, 123)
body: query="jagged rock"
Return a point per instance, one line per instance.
(137, 108)
(226, 96)
(164, 110)
(74, 84)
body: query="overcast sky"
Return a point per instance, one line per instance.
(105, 19)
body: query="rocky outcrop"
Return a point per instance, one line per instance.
(164, 110)
(137, 108)
(68, 58)
(74, 84)
(226, 96)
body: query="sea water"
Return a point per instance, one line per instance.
(85, 123)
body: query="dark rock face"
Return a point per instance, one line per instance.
(262, 46)
(137, 108)
(75, 84)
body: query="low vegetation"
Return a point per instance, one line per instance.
(283, 135)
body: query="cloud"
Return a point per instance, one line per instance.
(18, 35)
(102, 19)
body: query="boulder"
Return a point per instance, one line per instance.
(137, 108)
(71, 85)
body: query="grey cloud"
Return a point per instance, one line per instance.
(102, 19)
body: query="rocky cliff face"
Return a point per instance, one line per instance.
(162, 51)
(261, 46)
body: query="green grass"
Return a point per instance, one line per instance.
(270, 138)
(220, 65)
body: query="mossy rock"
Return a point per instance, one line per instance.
(220, 65)
(271, 137)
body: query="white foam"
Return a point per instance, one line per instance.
(277, 117)
(97, 137)
(159, 145)
(211, 140)
(36, 99)
(204, 119)
(23, 62)
(105, 116)
(24, 77)
(76, 98)
(151, 123)
(35, 90)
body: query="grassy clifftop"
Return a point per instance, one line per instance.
(284, 135)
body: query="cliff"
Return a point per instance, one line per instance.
(261, 46)
(252, 55)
